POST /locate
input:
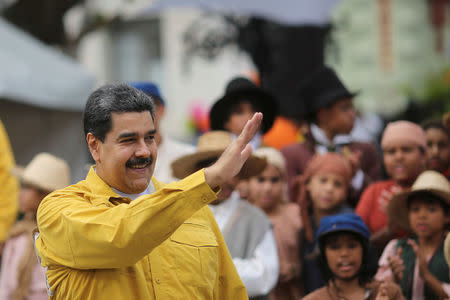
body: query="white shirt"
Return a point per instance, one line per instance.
(168, 151)
(340, 139)
(260, 272)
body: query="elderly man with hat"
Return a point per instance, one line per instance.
(122, 234)
(168, 148)
(247, 230)
(331, 115)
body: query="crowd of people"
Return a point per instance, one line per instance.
(235, 216)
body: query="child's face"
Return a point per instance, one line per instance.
(266, 189)
(438, 149)
(29, 198)
(426, 217)
(339, 117)
(403, 162)
(344, 255)
(240, 114)
(327, 190)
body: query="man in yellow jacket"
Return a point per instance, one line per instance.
(121, 234)
(8, 187)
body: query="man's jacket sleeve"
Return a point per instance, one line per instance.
(8, 186)
(77, 234)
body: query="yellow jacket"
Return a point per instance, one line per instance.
(167, 245)
(8, 186)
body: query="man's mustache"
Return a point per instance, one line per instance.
(139, 161)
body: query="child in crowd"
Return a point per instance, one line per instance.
(322, 191)
(403, 144)
(268, 191)
(21, 276)
(418, 263)
(331, 115)
(344, 245)
(241, 100)
(438, 147)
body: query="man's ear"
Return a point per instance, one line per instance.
(93, 144)
(322, 115)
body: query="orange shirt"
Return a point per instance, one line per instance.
(372, 204)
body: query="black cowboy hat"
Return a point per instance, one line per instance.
(322, 89)
(238, 89)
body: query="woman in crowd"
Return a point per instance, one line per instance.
(22, 277)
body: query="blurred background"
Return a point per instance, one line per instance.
(53, 53)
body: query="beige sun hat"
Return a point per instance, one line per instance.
(429, 181)
(209, 147)
(45, 171)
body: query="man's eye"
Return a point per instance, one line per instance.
(150, 138)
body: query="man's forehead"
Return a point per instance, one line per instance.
(132, 122)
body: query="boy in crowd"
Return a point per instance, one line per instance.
(418, 263)
(332, 116)
(404, 145)
(344, 245)
(438, 147)
(247, 230)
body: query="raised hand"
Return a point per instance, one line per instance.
(423, 265)
(233, 158)
(396, 265)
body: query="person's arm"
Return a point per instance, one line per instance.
(9, 186)
(77, 234)
(260, 272)
(228, 284)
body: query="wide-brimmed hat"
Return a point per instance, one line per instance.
(322, 89)
(429, 181)
(209, 147)
(348, 222)
(238, 89)
(45, 171)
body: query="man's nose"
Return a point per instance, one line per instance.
(142, 149)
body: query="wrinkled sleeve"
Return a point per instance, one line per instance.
(260, 271)
(8, 184)
(77, 234)
(228, 283)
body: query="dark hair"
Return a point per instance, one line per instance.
(436, 125)
(368, 266)
(428, 198)
(118, 98)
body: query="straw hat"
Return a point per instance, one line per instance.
(209, 147)
(429, 181)
(45, 171)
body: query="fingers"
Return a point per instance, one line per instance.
(399, 251)
(250, 128)
(414, 245)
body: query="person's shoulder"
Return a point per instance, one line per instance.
(318, 294)
(254, 213)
